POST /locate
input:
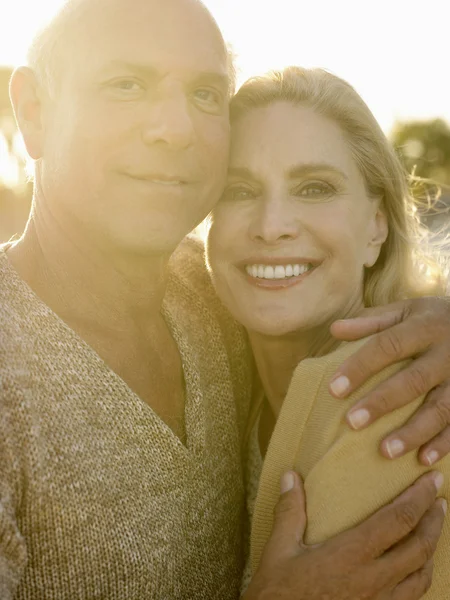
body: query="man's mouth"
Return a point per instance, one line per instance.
(168, 182)
(159, 179)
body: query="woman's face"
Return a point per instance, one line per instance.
(295, 226)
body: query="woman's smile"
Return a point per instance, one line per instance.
(277, 274)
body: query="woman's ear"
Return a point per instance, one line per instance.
(24, 94)
(378, 232)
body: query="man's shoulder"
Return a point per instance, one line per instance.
(15, 315)
(189, 265)
(188, 262)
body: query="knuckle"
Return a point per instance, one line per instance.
(418, 380)
(426, 578)
(380, 402)
(426, 548)
(406, 516)
(389, 344)
(443, 441)
(359, 365)
(283, 507)
(443, 409)
(423, 579)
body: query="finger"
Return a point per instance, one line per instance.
(419, 547)
(408, 384)
(289, 519)
(370, 321)
(396, 520)
(385, 348)
(415, 585)
(436, 449)
(432, 418)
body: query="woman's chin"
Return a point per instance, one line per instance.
(276, 327)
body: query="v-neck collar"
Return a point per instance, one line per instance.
(194, 405)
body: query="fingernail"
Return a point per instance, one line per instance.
(287, 482)
(444, 505)
(395, 448)
(340, 385)
(359, 418)
(438, 480)
(431, 457)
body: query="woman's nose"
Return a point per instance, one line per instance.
(273, 222)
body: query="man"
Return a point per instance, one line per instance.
(124, 385)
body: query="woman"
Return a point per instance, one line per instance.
(315, 223)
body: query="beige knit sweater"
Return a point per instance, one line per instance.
(346, 478)
(98, 498)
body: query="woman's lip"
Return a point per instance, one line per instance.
(283, 261)
(276, 284)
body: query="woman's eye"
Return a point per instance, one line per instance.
(236, 194)
(314, 190)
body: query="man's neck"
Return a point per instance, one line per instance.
(85, 283)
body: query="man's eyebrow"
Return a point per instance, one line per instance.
(129, 66)
(298, 171)
(214, 77)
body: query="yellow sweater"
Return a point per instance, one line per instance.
(346, 478)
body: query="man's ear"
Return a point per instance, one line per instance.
(26, 101)
(378, 232)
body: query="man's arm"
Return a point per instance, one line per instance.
(13, 555)
(418, 329)
(387, 557)
(13, 552)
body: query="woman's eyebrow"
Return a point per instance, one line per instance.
(241, 172)
(298, 171)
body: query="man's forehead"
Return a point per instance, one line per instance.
(174, 31)
(174, 36)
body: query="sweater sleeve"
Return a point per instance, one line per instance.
(346, 478)
(13, 555)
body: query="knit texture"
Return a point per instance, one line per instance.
(98, 498)
(346, 478)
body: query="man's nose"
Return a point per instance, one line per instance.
(273, 222)
(170, 122)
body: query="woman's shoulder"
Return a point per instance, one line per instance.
(315, 373)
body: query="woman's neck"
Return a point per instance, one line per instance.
(276, 358)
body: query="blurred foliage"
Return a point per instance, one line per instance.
(5, 75)
(424, 147)
(14, 203)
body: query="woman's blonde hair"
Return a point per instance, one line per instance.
(402, 267)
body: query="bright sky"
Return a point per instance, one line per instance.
(396, 53)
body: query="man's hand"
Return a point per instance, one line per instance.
(387, 557)
(418, 329)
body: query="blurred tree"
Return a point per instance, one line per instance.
(7, 123)
(14, 202)
(424, 147)
(5, 75)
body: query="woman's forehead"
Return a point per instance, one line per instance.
(282, 136)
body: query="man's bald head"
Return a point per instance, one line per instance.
(56, 48)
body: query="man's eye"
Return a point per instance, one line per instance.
(209, 100)
(126, 85)
(206, 95)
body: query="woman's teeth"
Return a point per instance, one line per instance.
(278, 271)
